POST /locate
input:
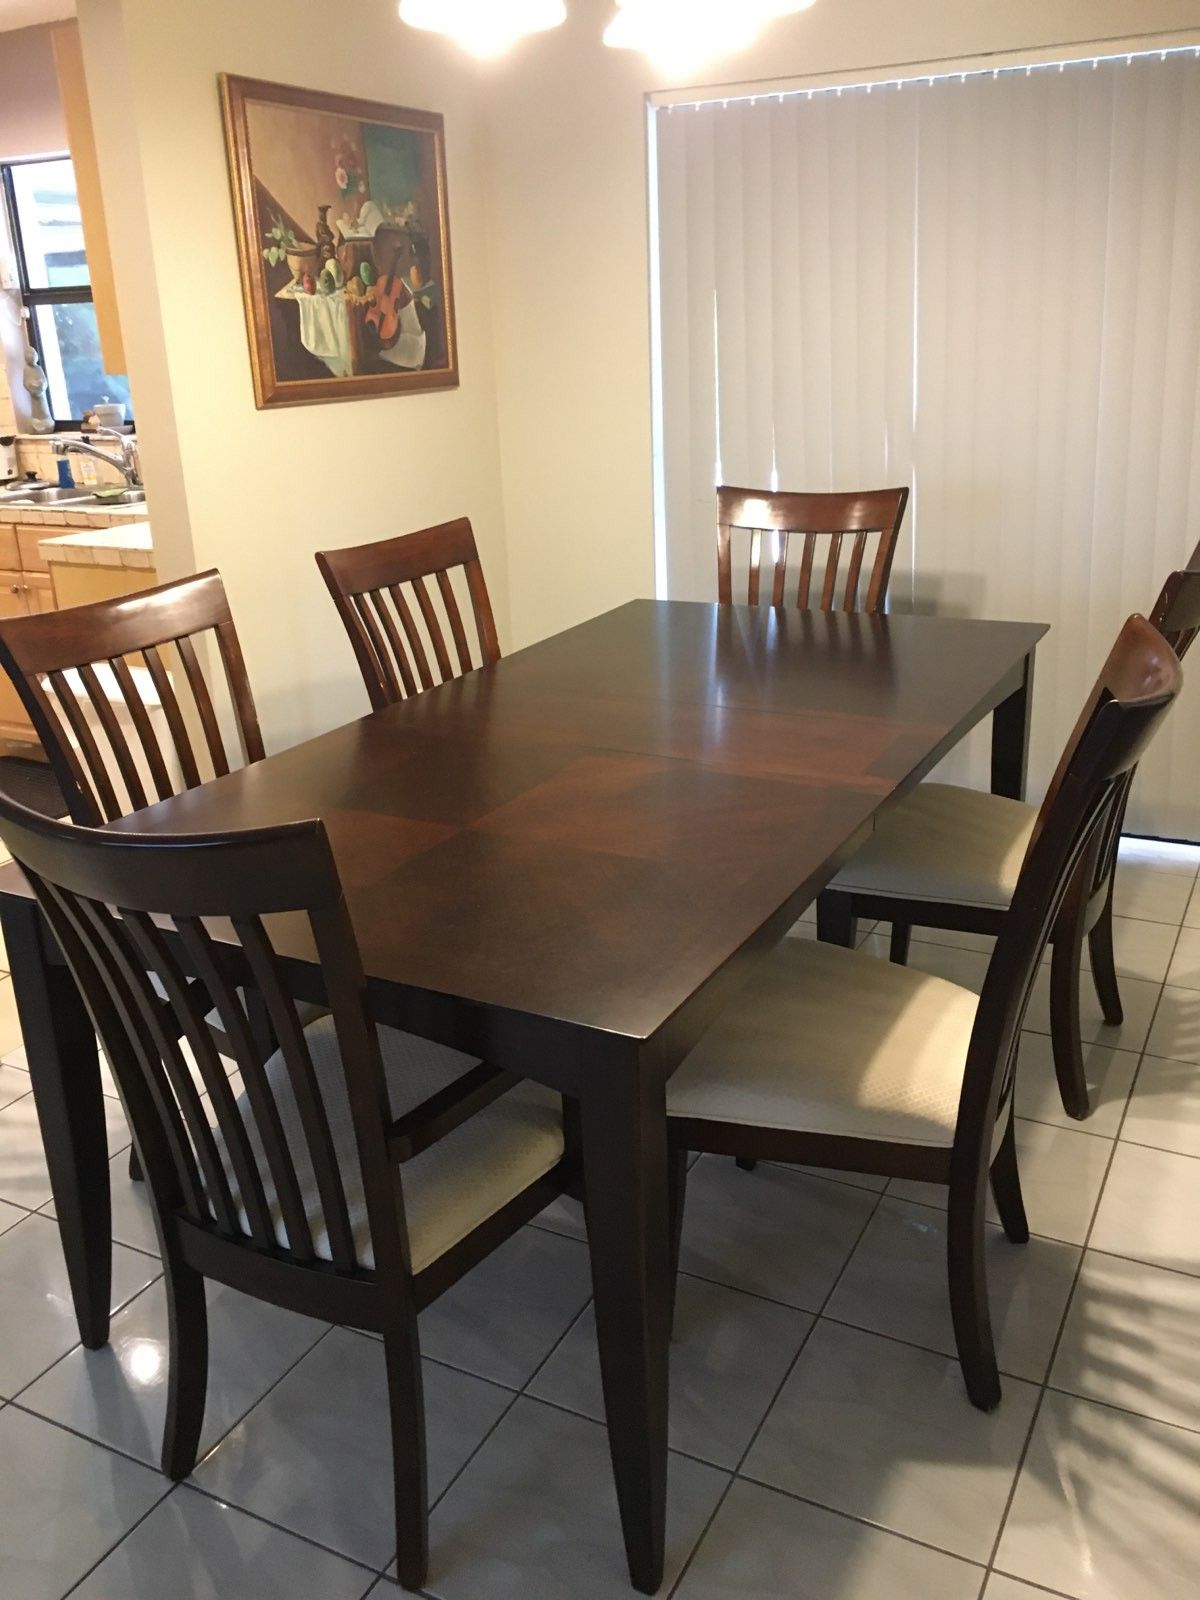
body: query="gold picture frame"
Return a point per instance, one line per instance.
(360, 303)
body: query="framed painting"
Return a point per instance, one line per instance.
(344, 243)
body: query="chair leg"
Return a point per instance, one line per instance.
(901, 939)
(746, 1163)
(135, 1165)
(1104, 967)
(677, 1171)
(1065, 1034)
(967, 1275)
(1006, 1187)
(406, 1401)
(836, 922)
(187, 1373)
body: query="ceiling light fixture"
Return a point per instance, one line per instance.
(484, 27)
(681, 36)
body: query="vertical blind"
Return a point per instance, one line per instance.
(985, 287)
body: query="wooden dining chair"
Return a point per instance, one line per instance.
(949, 857)
(832, 1058)
(837, 522)
(394, 622)
(360, 1172)
(118, 695)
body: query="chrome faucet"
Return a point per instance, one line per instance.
(127, 463)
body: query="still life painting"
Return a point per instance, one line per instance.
(344, 243)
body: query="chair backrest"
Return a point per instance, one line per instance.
(1136, 688)
(1176, 615)
(125, 906)
(835, 520)
(374, 587)
(120, 733)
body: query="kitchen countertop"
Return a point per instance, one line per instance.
(78, 516)
(125, 544)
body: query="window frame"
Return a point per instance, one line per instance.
(31, 298)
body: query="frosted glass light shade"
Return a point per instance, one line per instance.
(682, 36)
(484, 27)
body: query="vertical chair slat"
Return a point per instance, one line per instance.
(433, 627)
(127, 985)
(107, 718)
(159, 958)
(314, 1118)
(176, 726)
(481, 605)
(412, 633)
(78, 723)
(804, 587)
(136, 707)
(724, 566)
(399, 655)
(781, 555)
(238, 683)
(850, 596)
(204, 706)
(831, 571)
(258, 1090)
(446, 589)
(373, 617)
(755, 564)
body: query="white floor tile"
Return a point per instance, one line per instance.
(1150, 893)
(1141, 949)
(1149, 1209)
(1130, 1339)
(1191, 917)
(1138, 998)
(965, 967)
(37, 1318)
(502, 1320)
(895, 1284)
(64, 1503)
(763, 1543)
(729, 1354)
(1061, 1175)
(315, 1456)
(23, 1176)
(13, 1084)
(534, 1516)
(1109, 1075)
(10, 1026)
(1106, 1505)
(1001, 1588)
(192, 1546)
(773, 1231)
(10, 1215)
(563, 1215)
(884, 1432)
(118, 1395)
(1184, 972)
(1176, 1030)
(1164, 1109)
(132, 1218)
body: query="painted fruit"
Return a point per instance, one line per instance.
(367, 273)
(309, 283)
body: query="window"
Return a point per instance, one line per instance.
(52, 270)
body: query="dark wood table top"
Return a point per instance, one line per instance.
(592, 830)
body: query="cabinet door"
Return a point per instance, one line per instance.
(39, 592)
(14, 602)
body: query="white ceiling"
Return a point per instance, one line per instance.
(24, 13)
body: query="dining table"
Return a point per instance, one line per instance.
(567, 863)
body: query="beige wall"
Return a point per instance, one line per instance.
(256, 492)
(31, 114)
(570, 267)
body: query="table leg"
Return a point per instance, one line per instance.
(64, 1065)
(1010, 737)
(625, 1176)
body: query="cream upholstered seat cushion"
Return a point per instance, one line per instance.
(827, 1040)
(943, 842)
(448, 1189)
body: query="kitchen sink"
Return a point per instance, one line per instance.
(24, 495)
